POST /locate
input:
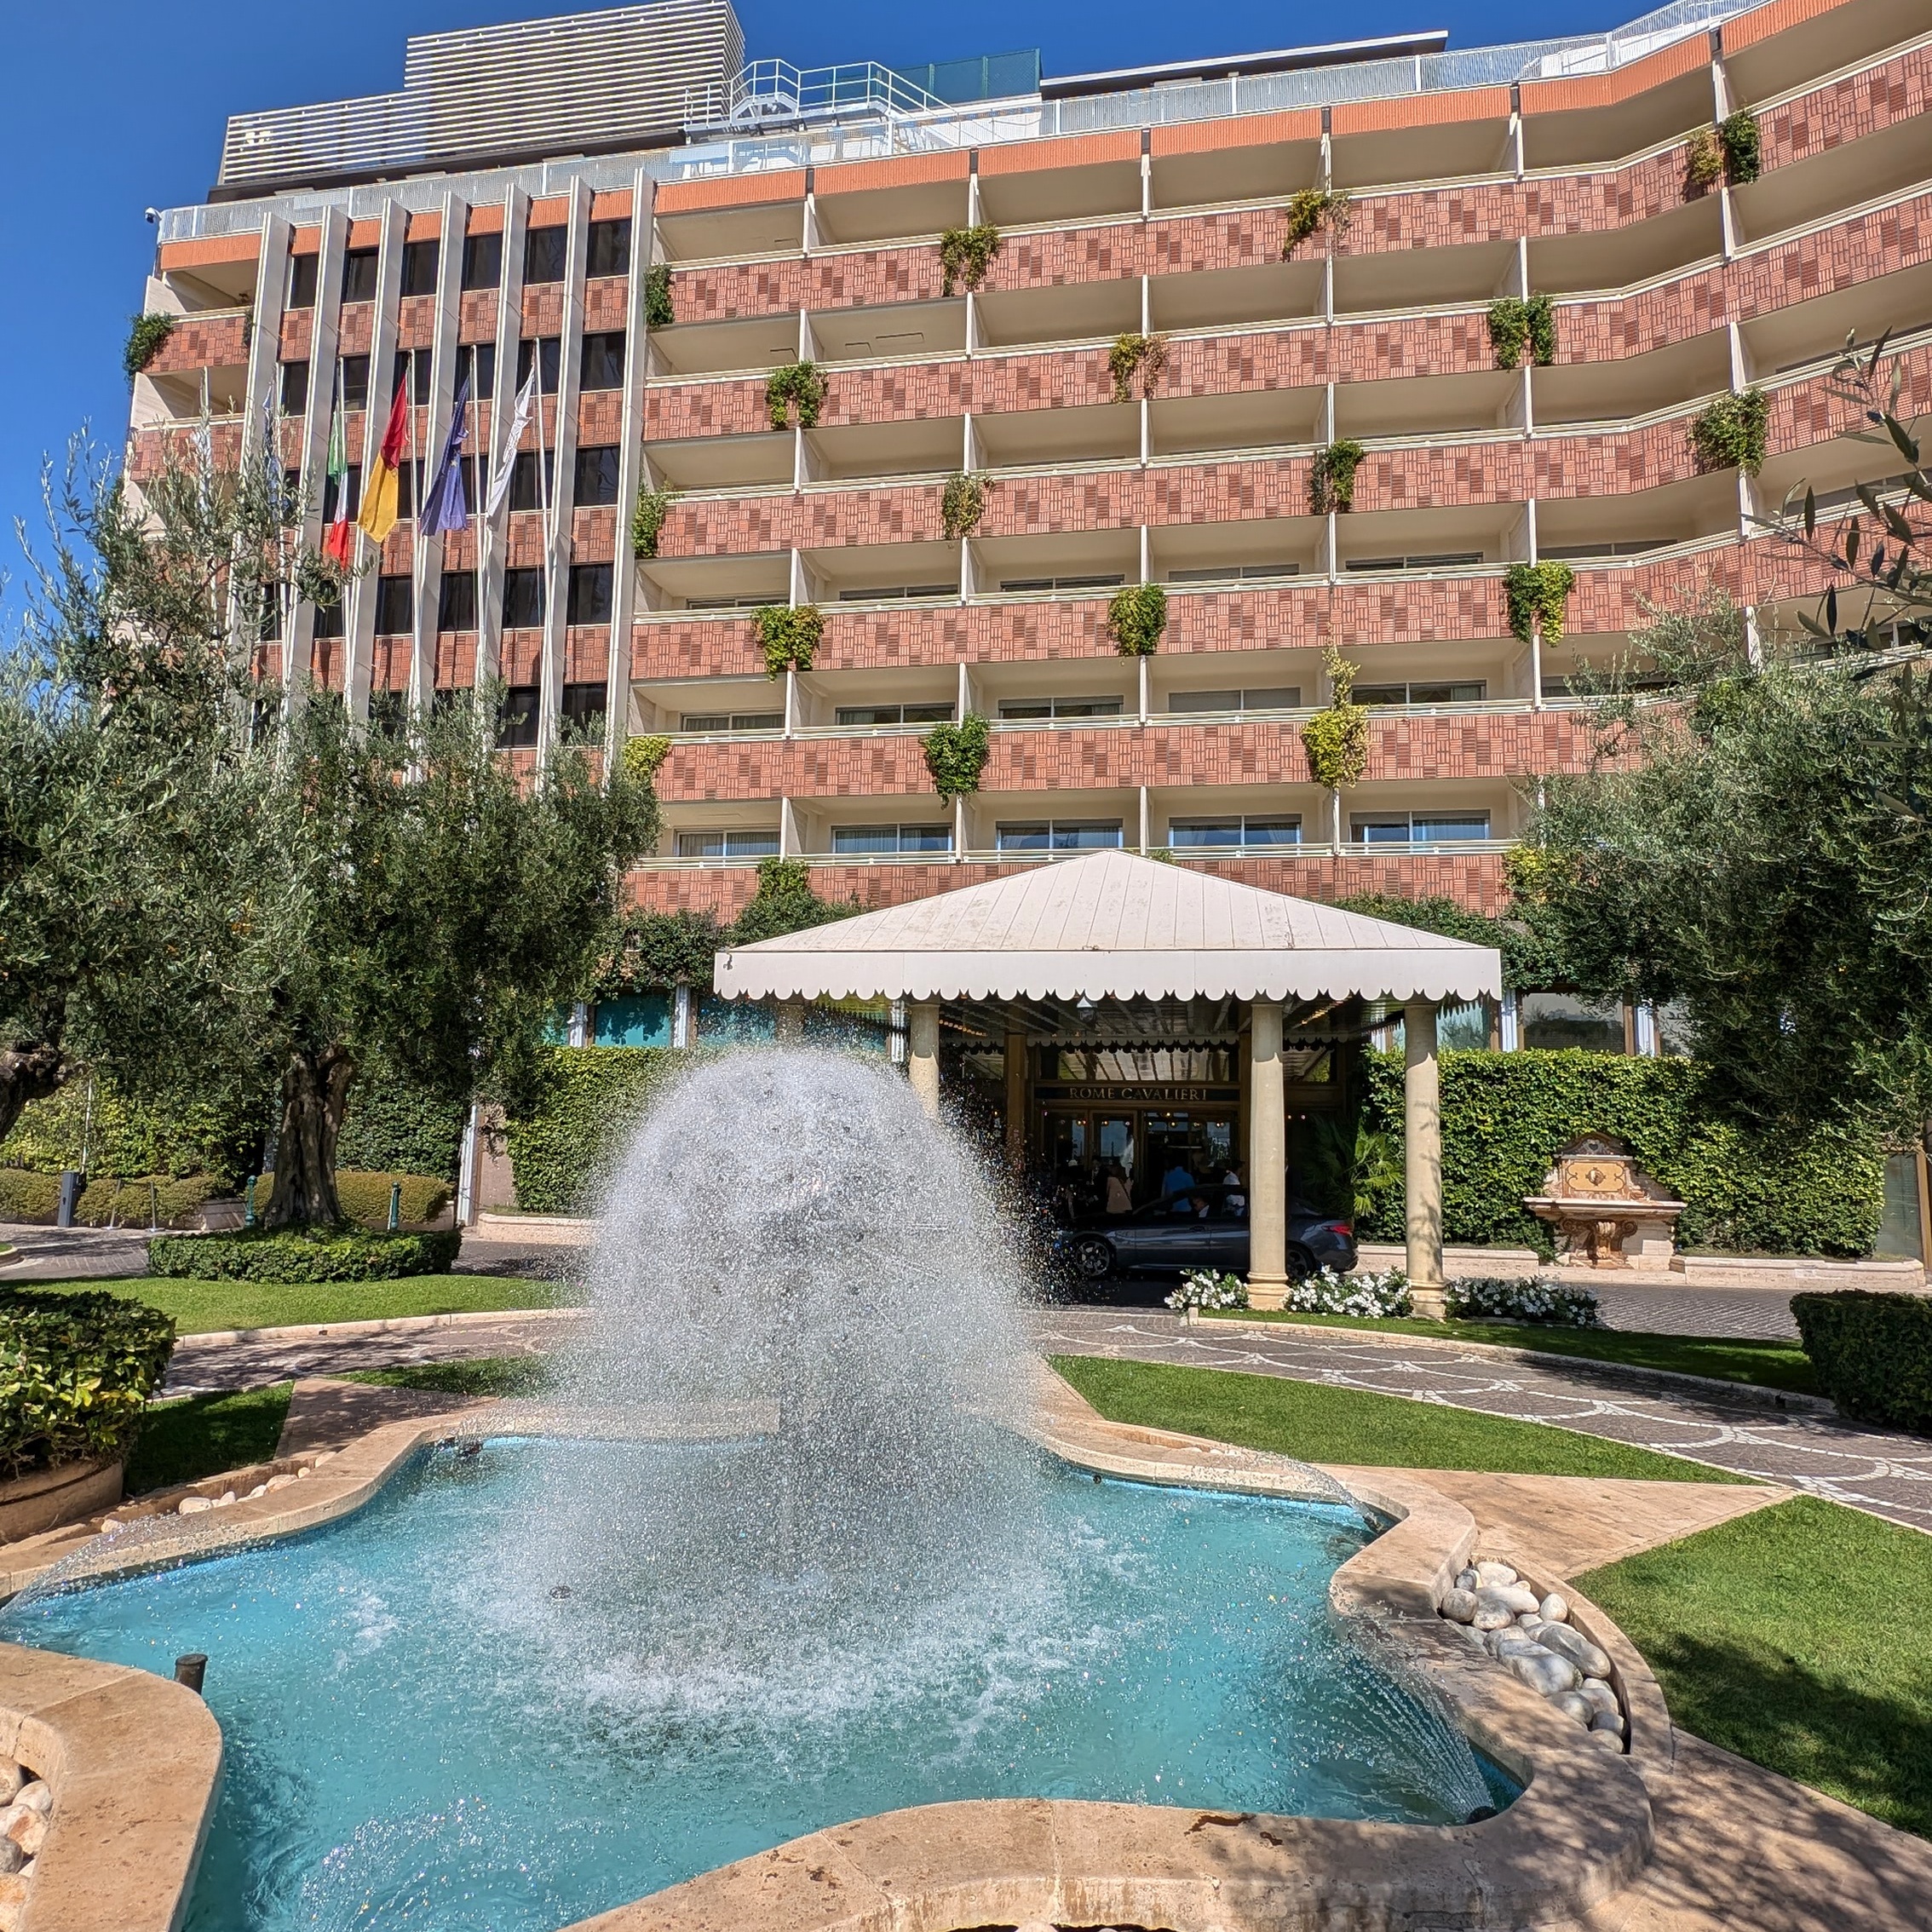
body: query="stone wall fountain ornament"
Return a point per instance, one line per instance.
(1606, 1210)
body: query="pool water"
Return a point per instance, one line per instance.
(428, 1725)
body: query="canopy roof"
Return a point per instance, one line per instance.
(1111, 925)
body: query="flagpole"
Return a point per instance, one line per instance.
(415, 483)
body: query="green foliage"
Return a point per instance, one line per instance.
(656, 951)
(1351, 1166)
(965, 255)
(1729, 433)
(1135, 355)
(1310, 210)
(1738, 135)
(1136, 619)
(658, 310)
(1336, 739)
(75, 1372)
(962, 504)
(648, 520)
(784, 902)
(1538, 593)
(33, 1199)
(396, 1126)
(1332, 478)
(172, 1136)
(207, 1436)
(644, 755)
(129, 1204)
(1530, 960)
(797, 385)
(303, 1255)
(1749, 1186)
(1516, 324)
(147, 335)
(578, 1120)
(789, 635)
(1873, 1353)
(956, 754)
(1703, 160)
(365, 1197)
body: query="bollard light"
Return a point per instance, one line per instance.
(192, 1670)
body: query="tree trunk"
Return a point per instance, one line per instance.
(314, 1094)
(28, 1073)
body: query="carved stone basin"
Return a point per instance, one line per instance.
(1606, 1210)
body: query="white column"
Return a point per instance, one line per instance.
(502, 403)
(298, 638)
(1422, 1169)
(1267, 1160)
(358, 627)
(553, 666)
(633, 471)
(922, 1063)
(1015, 1104)
(428, 552)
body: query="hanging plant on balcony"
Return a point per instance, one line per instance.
(1313, 209)
(1135, 355)
(1738, 135)
(1136, 618)
(1516, 324)
(148, 334)
(789, 635)
(965, 255)
(1703, 161)
(1336, 739)
(1332, 479)
(1729, 433)
(797, 386)
(956, 754)
(643, 755)
(658, 314)
(962, 504)
(1535, 593)
(648, 520)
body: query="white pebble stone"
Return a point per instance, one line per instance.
(1458, 1606)
(1580, 1650)
(1599, 1694)
(1493, 1616)
(1544, 1671)
(37, 1795)
(12, 1777)
(1608, 1740)
(1572, 1704)
(192, 1505)
(1468, 1580)
(224, 1499)
(1608, 1723)
(301, 1475)
(260, 1489)
(1492, 1576)
(1555, 1609)
(279, 1482)
(1529, 1620)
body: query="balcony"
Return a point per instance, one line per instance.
(1045, 439)
(1219, 176)
(1084, 563)
(1015, 195)
(1617, 259)
(163, 402)
(1578, 529)
(1259, 421)
(1227, 556)
(1432, 406)
(1072, 312)
(1832, 39)
(1440, 152)
(776, 227)
(1449, 539)
(1821, 186)
(1587, 137)
(928, 446)
(1237, 298)
(705, 708)
(870, 574)
(1424, 277)
(917, 212)
(1815, 332)
(693, 349)
(1574, 394)
(722, 462)
(713, 583)
(919, 330)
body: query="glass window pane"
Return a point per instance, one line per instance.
(928, 714)
(1386, 830)
(1272, 697)
(1203, 701)
(1273, 831)
(1080, 836)
(750, 844)
(1461, 825)
(1027, 708)
(1203, 831)
(1023, 838)
(700, 845)
(925, 838)
(864, 838)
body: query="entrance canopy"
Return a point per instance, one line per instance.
(1112, 925)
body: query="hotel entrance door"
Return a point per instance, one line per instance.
(1147, 1144)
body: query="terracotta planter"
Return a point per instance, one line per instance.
(47, 1498)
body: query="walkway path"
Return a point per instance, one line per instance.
(1889, 1475)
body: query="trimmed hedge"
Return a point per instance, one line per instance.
(29, 1197)
(220, 1136)
(261, 1254)
(76, 1371)
(106, 1202)
(395, 1126)
(1873, 1353)
(1747, 1189)
(365, 1197)
(589, 1100)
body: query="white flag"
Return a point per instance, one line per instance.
(506, 463)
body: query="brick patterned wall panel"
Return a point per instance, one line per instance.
(1048, 260)
(700, 408)
(600, 418)
(476, 316)
(416, 322)
(455, 660)
(593, 535)
(543, 310)
(356, 329)
(1899, 89)
(1189, 245)
(522, 656)
(1211, 365)
(194, 344)
(605, 301)
(298, 331)
(1420, 479)
(586, 654)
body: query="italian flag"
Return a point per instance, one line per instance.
(380, 490)
(337, 544)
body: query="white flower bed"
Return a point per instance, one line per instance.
(1539, 1298)
(1203, 1288)
(1366, 1294)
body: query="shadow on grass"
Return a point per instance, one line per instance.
(204, 1434)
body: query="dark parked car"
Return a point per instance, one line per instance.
(1207, 1227)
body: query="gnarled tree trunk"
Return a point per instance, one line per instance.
(314, 1095)
(28, 1073)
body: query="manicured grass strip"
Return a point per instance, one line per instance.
(200, 1308)
(1321, 1424)
(1796, 1637)
(202, 1436)
(487, 1375)
(1771, 1365)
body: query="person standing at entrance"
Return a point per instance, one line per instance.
(1178, 1183)
(1118, 1200)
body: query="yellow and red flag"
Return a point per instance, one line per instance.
(380, 489)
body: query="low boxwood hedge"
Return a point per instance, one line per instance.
(365, 1197)
(1873, 1353)
(261, 1254)
(76, 1371)
(36, 1197)
(24, 1197)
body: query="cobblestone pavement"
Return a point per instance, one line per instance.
(1763, 1313)
(1888, 1474)
(65, 1254)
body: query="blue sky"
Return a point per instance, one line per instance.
(115, 106)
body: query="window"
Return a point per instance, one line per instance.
(295, 387)
(348, 493)
(387, 711)
(730, 603)
(590, 597)
(596, 478)
(1452, 560)
(747, 844)
(477, 363)
(524, 493)
(456, 601)
(1063, 582)
(731, 721)
(482, 260)
(1634, 548)
(610, 247)
(1235, 574)
(516, 725)
(1415, 693)
(1059, 708)
(523, 599)
(359, 275)
(329, 619)
(1059, 835)
(395, 606)
(891, 838)
(603, 361)
(302, 280)
(416, 470)
(1236, 830)
(1417, 828)
(544, 254)
(583, 707)
(1257, 698)
(414, 367)
(551, 364)
(898, 593)
(892, 714)
(1568, 1019)
(419, 260)
(355, 382)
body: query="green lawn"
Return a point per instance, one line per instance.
(1772, 1364)
(200, 1306)
(487, 1375)
(201, 1435)
(1796, 1637)
(1320, 1424)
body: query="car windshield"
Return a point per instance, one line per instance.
(1213, 1197)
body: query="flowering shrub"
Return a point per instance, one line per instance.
(1202, 1288)
(1540, 1298)
(1367, 1294)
